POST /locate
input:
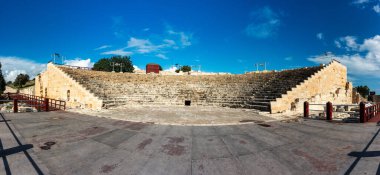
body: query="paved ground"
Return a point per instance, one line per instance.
(69, 143)
(183, 115)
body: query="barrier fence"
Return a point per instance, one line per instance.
(366, 111)
(17, 100)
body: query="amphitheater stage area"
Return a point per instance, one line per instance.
(186, 115)
(72, 143)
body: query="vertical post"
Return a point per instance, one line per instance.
(329, 111)
(46, 104)
(15, 105)
(306, 109)
(362, 113)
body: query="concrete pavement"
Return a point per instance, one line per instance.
(71, 143)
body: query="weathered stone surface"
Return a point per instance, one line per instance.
(267, 91)
(304, 147)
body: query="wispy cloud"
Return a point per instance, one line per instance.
(103, 47)
(12, 66)
(162, 56)
(184, 38)
(320, 36)
(79, 62)
(366, 60)
(120, 52)
(364, 4)
(347, 42)
(288, 58)
(360, 1)
(118, 26)
(142, 45)
(376, 8)
(155, 45)
(265, 23)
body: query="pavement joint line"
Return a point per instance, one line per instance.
(235, 157)
(5, 161)
(154, 153)
(356, 161)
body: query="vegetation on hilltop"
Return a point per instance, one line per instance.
(2, 81)
(115, 63)
(21, 80)
(185, 68)
(363, 91)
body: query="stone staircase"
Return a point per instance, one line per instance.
(253, 90)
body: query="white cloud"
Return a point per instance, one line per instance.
(120, 52)
(103, 47)
(376, 8)
(79, 62)
(136, 67)
(365, 62)
(171, 69)
(146, 29)
(265, 23)
(162, 56)
(12, 66)
(320, 36)
(347, 42)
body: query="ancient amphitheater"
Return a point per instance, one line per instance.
(271, 91)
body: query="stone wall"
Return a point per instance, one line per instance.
(53, 83)
(28, 90)
(329, 84)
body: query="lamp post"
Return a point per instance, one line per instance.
(113, 66)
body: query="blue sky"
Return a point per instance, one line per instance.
(219, 35)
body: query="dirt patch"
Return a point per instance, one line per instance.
(200, 167)
(47, 145)
(173, 148)
(144, 143)
(108, 168)
(136, 126)
(92, 130)
(320, 165)
(242, 142)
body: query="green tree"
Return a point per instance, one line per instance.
(21, 80)
(363, 91)
(2, 81)
(119, 62)
(186, 68)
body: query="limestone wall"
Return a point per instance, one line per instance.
(329, 84)
(28, 90)
(53, 83)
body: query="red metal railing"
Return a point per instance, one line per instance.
(366, 111)
(40, 103)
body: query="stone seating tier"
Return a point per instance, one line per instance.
(254, 90)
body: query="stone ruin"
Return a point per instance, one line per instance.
(271, 91)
